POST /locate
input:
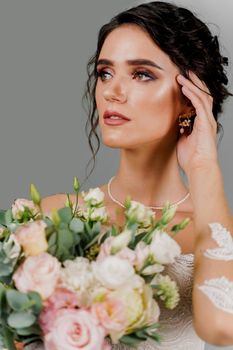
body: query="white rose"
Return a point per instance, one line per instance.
(77, 275)
(164, 248)
(114, 273)
(94, 196)
(145, 262)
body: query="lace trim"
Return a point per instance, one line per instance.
(220, 292)
(225, 242)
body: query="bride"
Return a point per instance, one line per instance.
(156, 88)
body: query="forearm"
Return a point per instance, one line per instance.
(209, 200)
(212, 323)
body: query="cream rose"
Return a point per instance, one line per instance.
(140, 309)
(38, 273)
(32, 238)
(73, 330)
(19, 206)
(164, 248)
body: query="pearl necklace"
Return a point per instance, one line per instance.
(157, 207)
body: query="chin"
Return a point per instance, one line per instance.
(113, 142)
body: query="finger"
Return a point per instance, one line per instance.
(201, 97)
(200, 84)
(202, 110)
(196, 86)
(196, 101)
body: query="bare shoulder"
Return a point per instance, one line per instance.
(57, 201)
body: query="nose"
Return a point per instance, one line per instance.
(115, 91)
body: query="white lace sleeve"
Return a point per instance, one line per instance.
(220, 292)
(224, 239)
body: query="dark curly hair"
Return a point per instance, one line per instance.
(182, 36)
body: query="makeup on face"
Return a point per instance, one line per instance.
(136, 79)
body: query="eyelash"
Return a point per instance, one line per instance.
(101, 72)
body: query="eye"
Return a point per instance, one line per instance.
(103, 75)
(143, 75)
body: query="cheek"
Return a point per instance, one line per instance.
(156, 108)
(99, 97)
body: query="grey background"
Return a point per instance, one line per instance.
(44, 48)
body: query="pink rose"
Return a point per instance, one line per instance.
(19, 205)
(61, 299)
(73, 330)
(32, 237)
(38, 273)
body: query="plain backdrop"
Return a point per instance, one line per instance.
(44, 48)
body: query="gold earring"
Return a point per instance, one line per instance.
(185, 121)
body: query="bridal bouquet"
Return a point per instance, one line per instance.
(68, 280)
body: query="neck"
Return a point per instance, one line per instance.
(148, 176)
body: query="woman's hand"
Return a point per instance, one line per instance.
(198, 148)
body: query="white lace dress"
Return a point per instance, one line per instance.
(176, 325)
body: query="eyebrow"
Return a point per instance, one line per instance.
(135, 62)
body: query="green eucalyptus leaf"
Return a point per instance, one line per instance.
(5, 269)
(96, 229)
(8, 216)
(65, 214)
(64, 226)
(65, 238)
(76, 238)
(2, 298)
(52, 239)
(21, 319)
(48, 221)
(37, 302)
(3, 217)
(76, 225)
(35, 329)
(16, 300)
(8, 339)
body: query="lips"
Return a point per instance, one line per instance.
(108, 114)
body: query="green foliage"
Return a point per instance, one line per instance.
(18, 316)
(140, 335)
(70, 236)
(21, 319)
(5, 217)
(9, 254)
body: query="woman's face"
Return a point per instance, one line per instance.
(137, 79)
